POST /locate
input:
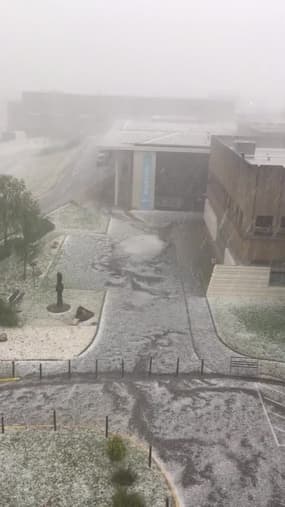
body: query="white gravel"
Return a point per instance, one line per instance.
(45, 342)
(143, 246)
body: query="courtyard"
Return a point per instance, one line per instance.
(219, 439)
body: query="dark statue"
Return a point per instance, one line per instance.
(59, 290)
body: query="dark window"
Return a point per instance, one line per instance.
(264, 221)
(259, 262)
(240, 218)
(282, 223)
(277, 278)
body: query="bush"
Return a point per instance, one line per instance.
(124, 477)
(5, 251)
(8, 315)
(41, 229)
(124, 499)
(116, 448)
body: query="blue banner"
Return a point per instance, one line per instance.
(147, 191)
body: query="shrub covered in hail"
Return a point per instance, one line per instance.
(116, 448)
(124, 499)
(8, 315)
(124, 477)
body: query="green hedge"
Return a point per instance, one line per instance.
(8, 315)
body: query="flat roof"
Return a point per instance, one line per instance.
(268, 156)
(156, 148)
(263, 155)
(164, 134)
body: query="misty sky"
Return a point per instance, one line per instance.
(159, 47)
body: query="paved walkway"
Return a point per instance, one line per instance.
(207, 345)
(192, 250)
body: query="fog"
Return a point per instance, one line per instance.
(149, 47)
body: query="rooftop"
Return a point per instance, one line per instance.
(268, 156)
(261, 155)
(170, 134)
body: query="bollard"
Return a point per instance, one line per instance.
(2, 424)
(13, 369)
(41, 371)
(69, 368)
(150, 456)
(96, 368)
(54, 420)
(177, 366)
(150, 366)
(107, 427)
(202, 366)
(123, 368)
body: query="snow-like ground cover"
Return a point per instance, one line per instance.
(43, 335)
(255, 328)
(24, 159)
(142, 247)
(11, 268)
(75, 216)
(43, 343)
(211, 434)
(70, 469)
(84, 261)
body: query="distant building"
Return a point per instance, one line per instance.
(245, 205)
(268, 133)
(55, 113)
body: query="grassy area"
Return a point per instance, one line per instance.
(254, 329)
(70, 469)
(75, 216)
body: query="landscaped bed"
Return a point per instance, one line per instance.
(249, 327)
(76, 216)
(72, 468)
(41, 334)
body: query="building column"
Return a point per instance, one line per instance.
(117, 174)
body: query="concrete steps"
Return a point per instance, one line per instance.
(249, 281)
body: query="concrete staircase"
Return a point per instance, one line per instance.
(250, 281)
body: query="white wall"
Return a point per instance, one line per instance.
(228, 258)
(211, 220)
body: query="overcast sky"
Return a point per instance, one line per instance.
(159, 47)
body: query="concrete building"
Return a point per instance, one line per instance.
(64, 114)
(267, 133)
(161, 164)
(245, 205)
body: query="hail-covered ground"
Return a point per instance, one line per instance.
(67, 468)
(219, 440)
(42, 334)
(251, 327)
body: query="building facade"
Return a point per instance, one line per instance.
(162, 178)
(245, 204)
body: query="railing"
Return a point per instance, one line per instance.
(235, 366)
(244, 363)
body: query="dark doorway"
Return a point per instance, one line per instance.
(181, 181)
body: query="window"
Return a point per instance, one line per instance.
(264, 221)
(240, 218)
(277, 277)
(282, 223)
(263, 225)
